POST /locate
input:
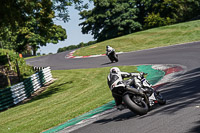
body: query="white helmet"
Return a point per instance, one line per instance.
(114, 70)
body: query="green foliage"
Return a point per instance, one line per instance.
(30, 22)
(7, 38)
(154, 20)
(113, 18)
(166, 12)
(32, 34)
(151, 38)
(54, 105)
(4, 60)
(57, 33)
(144, 8)
(27, 23)
(71, 47)
(71, 95)
(25, 70)
(110, 18)
(18, 12)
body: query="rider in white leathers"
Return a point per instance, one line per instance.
(118, 86)
(109, 49)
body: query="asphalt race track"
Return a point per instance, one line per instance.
(181, 114)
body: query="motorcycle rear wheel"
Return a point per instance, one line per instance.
(136, 104)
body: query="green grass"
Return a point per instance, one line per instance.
(75, 92)
(157, 37)
(26, 58)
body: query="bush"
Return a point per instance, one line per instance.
(155, 20)
(25, 70)
(72, 47)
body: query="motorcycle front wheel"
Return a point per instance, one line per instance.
(160, 98)
(116, 58)
(110, 57)
(136, 103)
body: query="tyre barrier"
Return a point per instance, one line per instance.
(17, 93)
(35, 68)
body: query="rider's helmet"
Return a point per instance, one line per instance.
(114, 70)
(107, 46)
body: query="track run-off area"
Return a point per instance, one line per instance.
(180, 85)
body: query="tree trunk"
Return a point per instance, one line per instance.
(9, 61)
(7, 76)
(34, 48)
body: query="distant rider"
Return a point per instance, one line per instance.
(118, 86)
(109, 49)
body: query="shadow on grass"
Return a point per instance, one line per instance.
(49, 91)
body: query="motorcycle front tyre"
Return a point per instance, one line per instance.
(160, 99)
(134, 107)
(110, 58)
(116, 58)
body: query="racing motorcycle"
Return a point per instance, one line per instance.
(141, 101)
(112, 56)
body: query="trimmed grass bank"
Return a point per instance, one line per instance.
(153, 77)
(157, 37)
(75, 92)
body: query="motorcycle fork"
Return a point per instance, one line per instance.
(146, 99)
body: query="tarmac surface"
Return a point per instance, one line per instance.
(181, 114)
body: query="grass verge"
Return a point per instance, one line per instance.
(26, 58)
(157, 37)
(75, 92)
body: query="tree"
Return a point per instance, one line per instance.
(110, 18)
(18, 12)
(155, 20)
(71, 47)
(144, 8)
(165, 12)
(113, 18)
(35, 35)
(189, 9)
(30, 22)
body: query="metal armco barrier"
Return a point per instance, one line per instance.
(19, 92)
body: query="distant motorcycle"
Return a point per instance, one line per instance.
(112, 56)
(140, 101)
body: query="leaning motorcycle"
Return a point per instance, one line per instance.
(112, 56)
(140, 101)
